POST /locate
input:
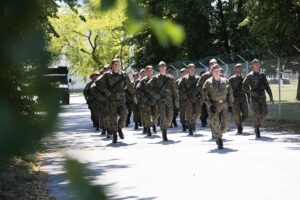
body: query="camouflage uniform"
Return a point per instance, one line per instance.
(113, 85)
(255, 84)
(89, 97)
(163, 89)
(129, 105)
(148, 106)
(240, 106)
(204, 113)
(135, 108)
(189, 91)
(182, 106)
(218, 98)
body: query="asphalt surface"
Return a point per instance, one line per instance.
(186, 167)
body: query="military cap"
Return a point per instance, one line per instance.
(190, 65)
(142, 70)
(161, 63)
(238, 65)
(107, 66)
(135, 74)
(213, 61)
(93, 74)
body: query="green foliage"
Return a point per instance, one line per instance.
(80, 186)
(28, 105)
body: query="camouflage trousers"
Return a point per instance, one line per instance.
(192, 111)
(219, 121)
(129, 106)
(93, 106)
(182, 110)
(240, 110)
(117, 115)
(104, 115)
(165, 109)
(149, 115)
(260, 110)
(136, 113)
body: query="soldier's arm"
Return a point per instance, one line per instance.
(230, 98)
(103, 86)
(269, 91)
(206, 96)
(149, 87)
(182, 89)
(246, 86)
(129, 85)
(174, 93)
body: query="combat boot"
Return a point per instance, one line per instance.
(191, 130)
(175, 123)
(219, 142)
(240, 129)
(149, 133)
(121, 135)
(115, 137)
(103, 131)
(193, 126)
(108, 134)
(183, 127)
(136, 125)
(154, 128)
(140, 123)
(257, 132)
(144, 130)
(203, 122)
(164, 135)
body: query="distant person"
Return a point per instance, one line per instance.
(240, 106)
(255, 84)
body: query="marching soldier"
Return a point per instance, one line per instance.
(189, 91)
(200, 84)
(130, 99)
(113, 84)
(89, 97)
(255, 84)
(139, 100)
(148, 103)
(182, 100)
(217, 94)
(135, 108)
(163, 88)
(240, 106)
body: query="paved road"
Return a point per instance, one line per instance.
(183, 168)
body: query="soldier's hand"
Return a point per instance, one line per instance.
(213, 108)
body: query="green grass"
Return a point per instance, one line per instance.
(288, 92)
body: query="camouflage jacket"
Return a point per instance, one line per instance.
(163, 88)
(217, 92)
(87, 92)
(236, 83)
(113, 85)
(202, 80)
(188, 89)
(255, 85)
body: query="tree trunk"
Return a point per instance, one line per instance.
(223, 26)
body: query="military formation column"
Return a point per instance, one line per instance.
(111, 97)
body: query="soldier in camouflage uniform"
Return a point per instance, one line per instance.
(200, 84)
(130, 100)
(140, 101)
(148, 103)
(219, 100)
(135, 108)
(113, 84)
(89, 97)
(182, 100)
(255, 84)
(163, 88)
(240, 106)
(189, 91)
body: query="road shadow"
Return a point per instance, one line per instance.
(120, 144)
(264, 139)
(151, 137)
(169, 142)
(223, 151)
(195, 135)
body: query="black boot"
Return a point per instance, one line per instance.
(140, 123)
(183, 127)
(144, 130)
(164, 135)
(191, 130)
(97, 127)
(103, 131)
(175, 123)
(115, 137)
(121, 135)
(149, 133)
(193, 126)
(108, 134)
(240, 129)
(154, 128)
(219, 142)
(257, 132)
(136, 125)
